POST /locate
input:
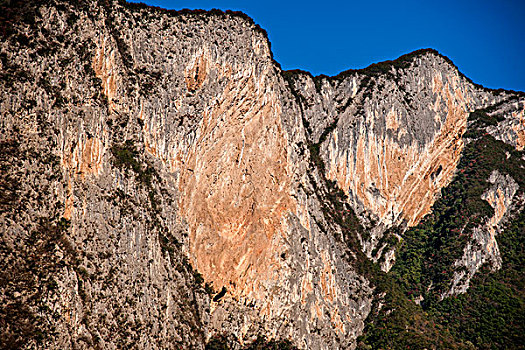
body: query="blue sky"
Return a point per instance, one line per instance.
(485, 39)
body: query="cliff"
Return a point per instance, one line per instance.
(166, 185)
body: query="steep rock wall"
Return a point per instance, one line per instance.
(390, 153)
(391, 136)
(159, 150)
(511, 129)
(231, 141)
(182, 157)
(397, 181)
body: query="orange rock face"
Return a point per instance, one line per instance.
(83, 156)
(396, 181)
(85, 159)
(105, 69)
(235, 189)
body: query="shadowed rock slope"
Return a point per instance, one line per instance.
(164, 184)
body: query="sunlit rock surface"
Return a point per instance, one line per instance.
(166, 186)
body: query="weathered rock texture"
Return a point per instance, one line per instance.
(483, 246)
(395, 134)
(146, 151)
(511, 129)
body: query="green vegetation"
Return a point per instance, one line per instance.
(430, 249)
(400, 323)
(491, 314)
(125, 156)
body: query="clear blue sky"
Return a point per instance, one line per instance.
(485, 39)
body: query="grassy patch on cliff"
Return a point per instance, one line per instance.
(126, 156)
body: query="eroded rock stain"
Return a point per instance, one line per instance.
(398, 181)
(235, 190)
(105, 69)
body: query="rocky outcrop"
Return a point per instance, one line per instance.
(392, 174)
(483, 247)
(105, 69)
(511, 129)
(234, 197)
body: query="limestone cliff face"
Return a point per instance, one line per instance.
(483, 246)
(167, 175)
(182, 153)
(392, 155)
(511, 129)
(394, 135)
